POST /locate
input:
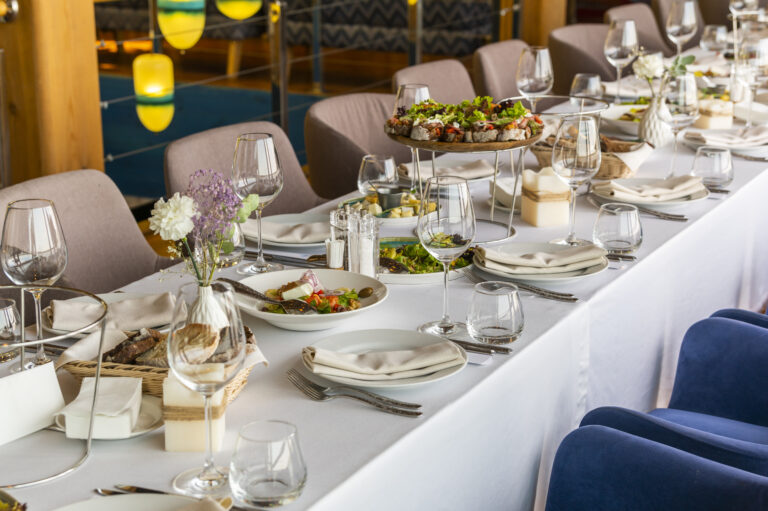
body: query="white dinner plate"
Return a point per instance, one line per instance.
(393, 222)
(365, 341)
(757, 151)
(635, 181)
(330, 279)
(290, 219)
(610, 120)
(150, 418)
(131, 502)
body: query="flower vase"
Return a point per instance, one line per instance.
(653, 129)
(205, 309)
(233, 248)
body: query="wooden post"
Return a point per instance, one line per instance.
(540, 17)
(52, 85)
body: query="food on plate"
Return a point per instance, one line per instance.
(633, 115)
(479, 120)
(130, 349)
(326, 301)
(714, 114)
(416, 258)
(409, 206)
(642, 100)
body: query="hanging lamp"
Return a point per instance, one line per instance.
(181, 21)
(153, 85)
(238, 9)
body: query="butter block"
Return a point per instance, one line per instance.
(545, 199)
(714, 114)
(118, 404)
(189, 435)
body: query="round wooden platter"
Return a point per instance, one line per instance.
(464, 147)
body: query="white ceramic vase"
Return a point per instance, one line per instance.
(652, 128)
(207, 310)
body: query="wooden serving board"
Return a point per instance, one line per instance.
(464, 147)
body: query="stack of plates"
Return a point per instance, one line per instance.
(692, 191)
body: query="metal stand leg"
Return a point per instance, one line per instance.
(493, 194)
(517, 170)
(417, 164)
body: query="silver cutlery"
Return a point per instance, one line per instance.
(225, 502)
(347, 388)
(751, 158)
(544, 293)
(488, 349)
(289, 306)
(293, 261)
(616, 256)
(318, 395)
(658, 214)
(715, 189)
(108, 493)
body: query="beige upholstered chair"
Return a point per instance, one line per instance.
(215, 149)
(448, 80)
(494, 68)
(106, 249)
(661, 10)
(650, 36)
(339, 131)
(578, 49)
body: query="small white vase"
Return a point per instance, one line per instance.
(207, 310)
(652, 128)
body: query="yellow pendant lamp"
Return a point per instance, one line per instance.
(153, 84)
(181, 21)
(238, 9)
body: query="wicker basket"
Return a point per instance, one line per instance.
(611, 166)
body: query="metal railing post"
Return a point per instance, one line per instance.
(415, 30)
(5, 146)
(278, 59)
(317, 58)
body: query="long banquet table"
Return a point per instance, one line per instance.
(489, 434)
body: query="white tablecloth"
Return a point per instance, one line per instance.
(489, 434)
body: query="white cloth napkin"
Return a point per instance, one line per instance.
(316, 232)
(541, 262)
(128, 314)
(471, 170)
(733, 138)
(383, 365)
(504, 195)
(634, 159)
(87, 348)
(206, 504)
(116, 396)
(759, 112)
(660, 190)
(631, 87)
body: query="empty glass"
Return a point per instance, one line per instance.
(754, 59)
(620, 48)
(739, 8)
(683, 104)
(375, 169)
(714, 38)
(587, 85)
(10, 333)
(681, 22)
(495, 314)
(407, 96)
(267, 468)
(714, 166)
(618, 228)
(534, 73)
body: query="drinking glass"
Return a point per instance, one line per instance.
(587, 85)
(754, 59)
(714, 166)
(683, 104)
(267, 468)
(618, 228)
(739, 8)
(407, 96)
(681, 23)
(446, 228)
(576, 158)
(206, 349)
(375, 169)
(33, 251)
(256, 169)
(534, 74)
(620, 48)
(10, 333)
(495, 314)
(714, 38)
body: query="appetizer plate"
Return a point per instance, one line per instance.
(132, 502)
(414, 278)
(365, 341)
(150, 418)
(292, 219)
(330, 279)
(684, 201)
(405, 221)
(611, 122)
(463, 147)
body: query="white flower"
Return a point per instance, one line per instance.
(173, 219)
(649, 66)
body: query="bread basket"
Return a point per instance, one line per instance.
(611, 166)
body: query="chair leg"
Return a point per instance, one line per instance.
(234, 57)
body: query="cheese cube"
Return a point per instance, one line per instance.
(297, 292)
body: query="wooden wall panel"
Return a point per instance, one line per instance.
(539, 18)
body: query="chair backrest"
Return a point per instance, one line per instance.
(714, 12)
(448, 80)
(578, 49)
(339, 131)
(661, 10)
(215, 148)
(649, 34)
(494, 67)
(105, 247)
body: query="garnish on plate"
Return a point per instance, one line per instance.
(416, 258)
(309, 289)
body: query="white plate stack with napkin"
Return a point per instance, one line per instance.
(675, 190)
(290, 230)
(126, 311)
(540, 261)
(736, 138)
(478, 169)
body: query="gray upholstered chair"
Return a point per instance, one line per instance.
(106, 249)
(650, 36)
(661, 10)
(494, 67)
(448, 80)
(215, 148)
(578, 49)
(339, 131)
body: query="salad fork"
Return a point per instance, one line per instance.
(347, 388)
(544, 293)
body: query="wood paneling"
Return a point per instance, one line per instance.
(539, 18)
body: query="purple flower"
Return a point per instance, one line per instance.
(217, 204)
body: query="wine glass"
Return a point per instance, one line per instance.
(375, 169)
(33, 251)
(587, 85)
(256, 169)
(576, 158)
(10, 333)
(754, 56)
(681, 23)
(534, 74)
(206, 350)
(739, 8)
(446, 228)
(620, 48)
(683, 105)
(714, 38)
(408, 95)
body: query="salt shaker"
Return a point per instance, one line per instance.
(363, 241)
(338, 242)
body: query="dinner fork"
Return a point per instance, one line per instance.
(347, 388)
(658, 214)
(544, 293)
(317, 395)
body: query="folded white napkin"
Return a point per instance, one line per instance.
(470, 170)
(315, 232)
(128, 314)
(383, 365)
(635, 159)
(733, 138)
(660, 190)
(206, 504)
(541, 262)
(631, 87)
(504, 194)
(117, 408)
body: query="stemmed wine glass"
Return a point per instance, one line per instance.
(576, 159)
(408, 95)
(739, 8)
(206, 350)
(33, 251)
(683, 104)
(714, 38)
(620, 48)
(375, 169)
(754, 56)
(256, 169)
(681, 23)
(10, 333)
(445, 232)
(587, 85)
(534, 74)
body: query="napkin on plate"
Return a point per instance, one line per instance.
(541, 262)
(383, 365)
(634, 159)
(758, 114)
(316, 232)
(129, 314)
(631, 87)
(471, 170)
(734, 138)
(660, 190)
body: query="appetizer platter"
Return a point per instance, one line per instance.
(406, 214)
(406, 261)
